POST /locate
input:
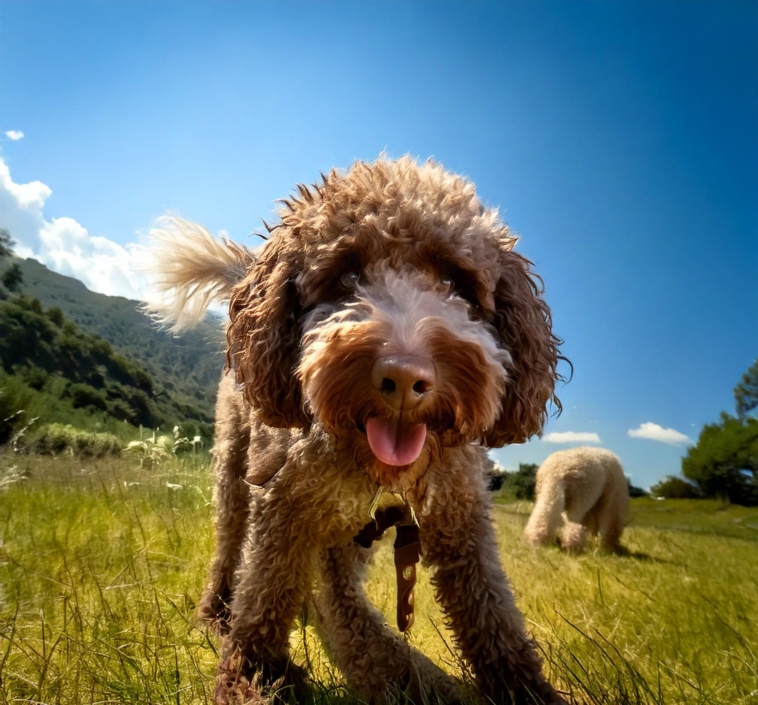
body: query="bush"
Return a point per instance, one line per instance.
(101, 348)
(85, 396)
(142, 380)
(522, 482)
(56, 438)
(15, 398)
(672, 487)
(495, 480)
(635, 491)
(56, 316)
(120, 410)
(34, 376)
(12, 278)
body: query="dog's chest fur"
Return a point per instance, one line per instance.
(332, 495)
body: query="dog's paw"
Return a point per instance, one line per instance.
(239, 682)
(239, 690)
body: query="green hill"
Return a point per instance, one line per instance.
(186, 368)
(51, 371)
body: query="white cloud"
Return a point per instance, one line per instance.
(571, 437)
(63, 244)
(14, 135)
(654, 432)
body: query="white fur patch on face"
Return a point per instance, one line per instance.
(402, 303)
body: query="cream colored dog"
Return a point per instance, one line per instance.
(589, 485)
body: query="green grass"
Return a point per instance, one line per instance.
(101, 563)
(675, 620)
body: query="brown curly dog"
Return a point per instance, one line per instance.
(382, 338)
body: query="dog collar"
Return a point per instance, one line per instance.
(391, 509)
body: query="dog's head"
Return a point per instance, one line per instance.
(389, 305)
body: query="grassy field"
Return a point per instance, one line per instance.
(101, 563)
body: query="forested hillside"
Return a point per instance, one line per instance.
(187, 367)
(49, 364)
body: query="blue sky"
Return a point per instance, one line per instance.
(619, 139)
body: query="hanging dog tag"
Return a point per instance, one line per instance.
(407, 554)
(392, 509)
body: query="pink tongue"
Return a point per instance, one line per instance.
(395, 443)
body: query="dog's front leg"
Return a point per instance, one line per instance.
(376, 661)
(460, 545)
(271, 586)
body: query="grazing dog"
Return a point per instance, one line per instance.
(589, 485)
(382, 338)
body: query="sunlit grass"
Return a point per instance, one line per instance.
(101, 563)
(675, 620)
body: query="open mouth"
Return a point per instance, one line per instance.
(395, 442)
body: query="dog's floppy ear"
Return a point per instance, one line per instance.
(263, 335)
(524, 324)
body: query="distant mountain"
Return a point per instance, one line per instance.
(187, 367)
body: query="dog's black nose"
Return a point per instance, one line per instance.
(403, 380)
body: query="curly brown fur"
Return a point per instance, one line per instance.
(383, 336)
(579, 491)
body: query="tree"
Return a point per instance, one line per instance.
(672, 487)
(746, 391)
(56, 316)
(724, 462)
(495, 475)
(7, 244)
(521, 483)
(635, 491)
(12, 278)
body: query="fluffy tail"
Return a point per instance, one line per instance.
(190, 270)
(546, 518)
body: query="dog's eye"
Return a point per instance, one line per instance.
(446, 285)
(349, 279)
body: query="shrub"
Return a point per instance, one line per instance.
(12, 278)
(56, 316)
(56, 438)
(672, 487)
(142, 379)
(34, 376)
(635, 491)
(101, 348)
(495, 481)
(15, 398)
(120, 410)
(495, 475)
(522, 482)
(85, 396)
